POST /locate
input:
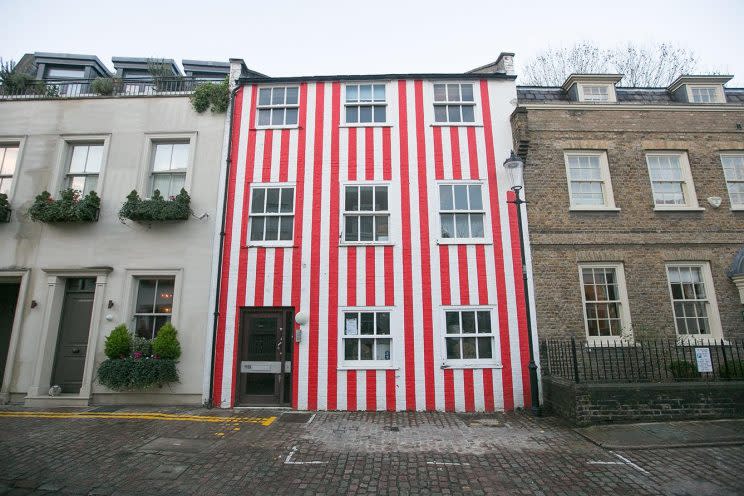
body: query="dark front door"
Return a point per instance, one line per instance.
(265, 356)
(74, 326)
(8, 299)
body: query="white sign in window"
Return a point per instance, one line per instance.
(366, 336)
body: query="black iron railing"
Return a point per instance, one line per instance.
(101, 87)
(648, 360)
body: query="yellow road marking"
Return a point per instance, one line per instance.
(265, 421)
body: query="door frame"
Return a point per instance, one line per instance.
(19, 277)
(288, 313)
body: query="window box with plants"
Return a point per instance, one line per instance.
(156, 208)
(137, 363)
(71, 206)
(4, 208)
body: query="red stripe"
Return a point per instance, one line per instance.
(390, 390)
(351, 390)
(425, 250)
(278, 276)
(469, 389)
(371, 390)
(405, 203)
(449, 390)
(351, 279)
(498, 251)
(444, 269)
(462, 265)
(298, 223)
(480, 263)
(352, 154)
(488, 390)
(473, 154)
(455, 146)
(389, 276)
(260, 277)
(524, 350)
(219, 344)
(284, 156)
(387, 165)
(370, 276)
(312, 372)
(369, 154)
(242, 276)
(333, 250)
(438, 154)
(266, 173)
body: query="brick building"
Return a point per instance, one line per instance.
(636, 206)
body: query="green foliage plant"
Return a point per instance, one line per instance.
(136, 374)
(156, 208)
(162, 75)
(682, 369)
(106, 86)
(4, 208)
(119, 343)
(212, 96)
(70, 207)
(141, 346)
(166, 345)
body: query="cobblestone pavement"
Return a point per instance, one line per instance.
(340, 453)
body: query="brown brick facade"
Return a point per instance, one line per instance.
(638, 236)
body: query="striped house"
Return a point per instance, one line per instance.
(369, 259)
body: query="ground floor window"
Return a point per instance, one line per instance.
(692, 296)
(605, 300)
(366, 337)
(154, 305)
(469, 334)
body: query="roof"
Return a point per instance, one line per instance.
(648, 96)
(70, 59)
(591, 78)
(142, 63)
(374, 77)
(698, 79)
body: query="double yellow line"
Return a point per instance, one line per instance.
(265, 421)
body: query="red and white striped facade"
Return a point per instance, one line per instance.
(415, 277)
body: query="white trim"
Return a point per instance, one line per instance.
(611, 95)
(487, 238)
(143, 184)
(470, 363)
(286, 243)
(21, 277)
(624, 314)
(429, 110)
(394, 336)
(734, 206)
(64, 155)
(714, 318)
(688, 186)
(604, 168)
(342, 218)
(372, 103)
(272, 106)
(21, 142)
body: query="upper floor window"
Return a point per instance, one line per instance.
(64, 73)
(84, 167)
(8, 158)
(693, 301)
(671, 181)
(169, 166)
(605, 300)
(589, 183)
(365, 103)
(154, 305)
(733, 169)
(469, 334)
(272, 213)
(278, 106)
(366, 337)
(704, 94)
(595, 93)
(461, 212)
(366, 214)
(454, 103)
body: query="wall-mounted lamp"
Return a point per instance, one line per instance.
(34, 304)
(111, 304)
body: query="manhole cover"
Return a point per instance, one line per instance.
(295, 418)
(176, 444)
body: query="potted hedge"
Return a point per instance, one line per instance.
(70, 207)
(156, 208)
(136, 363)
(4, 208)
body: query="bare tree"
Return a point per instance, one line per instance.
(653, 65)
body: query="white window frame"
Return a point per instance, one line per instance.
(688, 186)
(344, 364)
(145, 180)
(624, 311)
(609, 197)
(611, 95)
(714, 318)
(11, 142)
(64, 154)
(385, 103)
(717, 91)
(486, 239)
(283, 106)
(471, 363)
(68, 163)
(272, 243)
(131, 285)
(344, 214)
(475, 104)
(734, 206)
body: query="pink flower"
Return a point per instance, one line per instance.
(137, 355)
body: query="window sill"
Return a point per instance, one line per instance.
(269, 128)
(269, 244)
(371, 124)
(472, 365)
(679, 209)
(367, 367)
(366, 243)
(456, 124)
(464, 242)
(611, 342)
(737, 209)
(594, 209)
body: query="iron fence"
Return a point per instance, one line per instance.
(649, 360)
(101, 87)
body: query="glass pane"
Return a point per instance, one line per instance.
(468, 322)
(453, 92)
(476, 202)
(365, 198)
(351, 324)
(257, 226)
(291, 116)
(440, 113)
(272, 228)
(91, 182)
(484, 348)
(365, 92)
(146, 296)
(78, 158)
(287, 201)
(453, 113)
(277, 117)
(445, 198)
(467, 92)
(351, 349)
(352, 93)
(143, 327)
(277, 96)
(380, 114)
(365, 114)
(453, 348)
(286, 228)
(468, 113)
(161, 182)
(177, 182)
(379, 92)
(264, 117)
(476, 226)
(462, 225)
(461, 197)
(272, 200)
(383, 349)
(352, 198)
(95, 158)
(76, 182)
(468, 348)
(180, 158)
(381, 228)
(352, 115)
(9, 160)
(484, 322)
(440, 94)
(366, 228)
(367, 322)
(448, 225)
(366, 346)
(383, 323)
(162, 159)
(381, 198)
(292, 94)
(453, 322)
(264, 96)
(5, 184)
(257, 202)
(351, 233)
(164, 296)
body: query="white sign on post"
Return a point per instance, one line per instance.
(704, 363)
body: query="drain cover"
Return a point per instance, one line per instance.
(295, 418)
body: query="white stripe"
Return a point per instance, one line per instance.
(361, 389)
(472, 274)
(381, 398)
(480, 400)
(446, 153)
(286, 281)
(275, 155)
(379, 275)
(292, 165)
(454, 269)
(377, 146)
(498, 390)
(268, 296)
(464, 157)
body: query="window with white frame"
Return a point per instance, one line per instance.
(8, 159)
(671, 181)
(272, 213)
(84, 166)
(278, 106)
(693, 300)
(595, 93)
(153, 305)
(469, 334)
(589, 180)
(704, 94)
(454, 103)
(461, 213)
(366, 214)
(170, 161)
(365, 104)
(605, 300)
(733, 170)
(366, 336)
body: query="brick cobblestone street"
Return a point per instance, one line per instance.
(112, 452)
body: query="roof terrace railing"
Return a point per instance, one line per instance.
(100, 87)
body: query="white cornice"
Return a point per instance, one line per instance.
(699, 107)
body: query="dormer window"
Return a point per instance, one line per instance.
(592, 88)
(595, 93)
(699, 89)
(703, 94)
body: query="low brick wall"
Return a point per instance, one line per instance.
(585, 404)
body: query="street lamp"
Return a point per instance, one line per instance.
(515, 168)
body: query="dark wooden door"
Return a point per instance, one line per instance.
(265, 356)
(8, 300)
(72, 342)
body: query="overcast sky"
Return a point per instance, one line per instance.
(365, 37)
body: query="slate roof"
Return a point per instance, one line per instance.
(650, 96)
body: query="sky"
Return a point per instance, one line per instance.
(293, 38)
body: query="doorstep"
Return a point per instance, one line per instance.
(73, 400)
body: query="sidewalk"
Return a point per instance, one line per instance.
(666, 434)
